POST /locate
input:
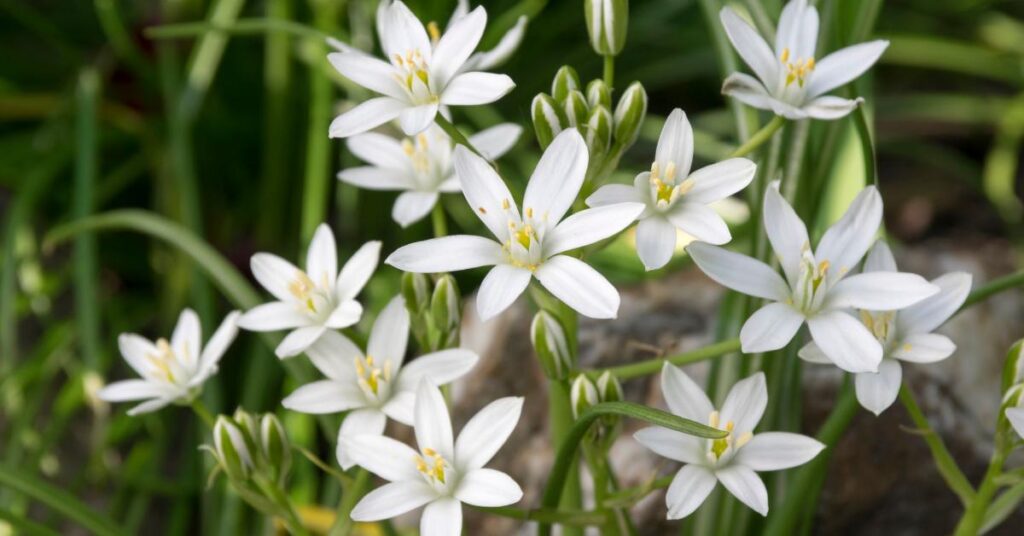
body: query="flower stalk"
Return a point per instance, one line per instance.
(760, 137)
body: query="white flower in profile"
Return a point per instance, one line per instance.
(423, 72)
(817, 288)
(790, 82)
(373, 385)
(310, 302)
(904, 335)
(676, 198)
(444, 473)
(733, 460)
(529, 246)
(170, 371)
(420, 166)
(1016, 418)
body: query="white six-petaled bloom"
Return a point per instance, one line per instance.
(816, 288)
(532, 244)
(904, 335)
(373, 385)
(676, 198)
(790, 82)
(171, 371)
(423, 72)
(732, 460)
(419, 166)
(444, 472)
(310, 302)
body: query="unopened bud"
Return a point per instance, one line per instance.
(599, 130)
(548, 119)
(446, 310)
(1013, 369)
(416, 291)
(250, 429)
(608, 387)
(582, 395)
(551, 344)
(606, 24)
(566, 80)
(276, 446)
(231, 449)
(599, 94)
(629, 115)
(576, 109)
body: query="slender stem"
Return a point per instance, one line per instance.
(560, 422)
(343, 522)
(86, 268)
(759, 137)
(456, 135)
(286, 511)
(944, 461)
(564, 517)
(609, 71)
(630, 496)
(324, 466)
(993, 287)
(652, 366)
(974, 517)
(202, 412)
(318, 150)
(241, 26)
(437, 219)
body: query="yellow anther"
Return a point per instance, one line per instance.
(744, 439)
(422, 139)
(434, 31)
(482, 210)
(670, 171)
(161, 360)
(529, 213)
(785, 55)
(505, 204)
(430, 452)
(407, 147)
(685, 186)
(809, 65)
(654, 171)
(713, 419)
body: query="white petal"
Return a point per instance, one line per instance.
(135, 349)
(846, 341)
(485, 61)
(811, 353)
(359, 422)
(689, 488)
(385, 457)
(433, 425)
(750, 46)
(924, 348)
(188, 336)
(683, 396)
(739, 272)
(557, 179)
(932, 312)
(417, 118)
(828, 108)
(589, 226)
(298, 340)
(700, 222)
(367, 115)
(390, 334)
(274, 274)
(786, 232)
(671, 444)
(720, 180)
(458, 42)
(333, 354)
(745, 404)
(611, 194)
(347, 313)
(325, 396)
(274, 316)
(771, 327)
(745, 485)
(1016, 418)
(497, 140)
(772, 451)
(487, 487)
(879, 291)
(844, 65)
(798, 30)
(127, 390)
(367, 71)
(442, 517)
(322, 257)
(880, 259)
(485, 192)
(400, 32)
(377, 149)
(218, 344)
(151, 405)
(500, 287)
(655, 241)
(400, 405)
(486, 432)
(749, 91)
(675, 145)
(377, 178)
(876, 391)
(845, 243)
(393, 499)
(439, 368)
(446, 254)
(579, 286)
(471, 89)
(357, 271)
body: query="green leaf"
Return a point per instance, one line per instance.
(59, 501)
(1002, 507)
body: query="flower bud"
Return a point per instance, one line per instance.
(566, 80)
(608, 387)
(551, 344)
(416, 291)
(247, 424)
(599, 94)
(629, 115)
(1013, 370)
(599, 131)
(582, 395)
(606, 24)
(576, 109)
(231, 450)
(548, 119)
(446, 310)
(276, 446)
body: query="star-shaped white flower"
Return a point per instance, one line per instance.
(444, 473)
(676, 198)
(790, 82)
(817, 288)
(310, 302)
(171, 371)
(529, 246)
(419, 166)
(733, 460)
(374, 385)
(423, 72)
(904, 335)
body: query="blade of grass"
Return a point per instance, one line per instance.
(87, 313)
(59, 501)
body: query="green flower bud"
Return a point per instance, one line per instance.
(446, 310)
(576, 109)
(276, 446)
(629, 115)
(250, 432)
(1013, 370)
(599, 131)
(599, 94)
(548, 119)
(606, 24)
(582, 395)
(231, 449)
(551, 344)
(566, 80)
(608, 387)
(416, 291)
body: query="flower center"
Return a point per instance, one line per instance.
(417, 152)
(665, 189)
(164, 361)
(729, 443)
(812, 283)
(797, 70)
(372, 379)
(315, 301)
(435, 469)
(413, 74)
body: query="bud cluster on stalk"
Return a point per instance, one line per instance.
(254, 452)
(551, 343)
(435, 310)
(585, 393)
(589, 109)
(606, 25)
(1013, 376)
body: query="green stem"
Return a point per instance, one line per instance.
(993, 287)
(343, 523)
(759, 137)
(560, 422)
(564, 517)
(87, 312)
(200, 408)
(59, 501)
(974, 516)
(456, 135)
(437, 219)
(286, 511)
(317, 179)
(944, 461)
(652, 366)
(609, 71)
(241, 26)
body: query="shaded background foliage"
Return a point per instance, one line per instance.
(99, 111)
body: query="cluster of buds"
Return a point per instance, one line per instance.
(606, 25)
(585, 393)
(552, 345)
(607, 135)
(435, 310)
(251, 451)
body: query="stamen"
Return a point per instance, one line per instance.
(434, 31)
(505, 204)
(482, 210)
(529, 213)
(785, 55)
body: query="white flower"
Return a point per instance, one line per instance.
(444, 473)
(422, 73)
(731, 460)
(789, 81)
(904, 335)
(1016, 418)
(313, 301)
(816, 288)
(171, 371)
(676, 198)
(530, 246)
(374, 385)
(420, 166)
